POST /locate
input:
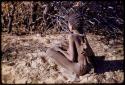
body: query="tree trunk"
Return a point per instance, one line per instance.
(11, 16)
(33, 13)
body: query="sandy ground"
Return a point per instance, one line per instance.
(24, 61)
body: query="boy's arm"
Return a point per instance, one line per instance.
(70, 54)
(71, 47)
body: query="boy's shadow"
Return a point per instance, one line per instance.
(102, 65)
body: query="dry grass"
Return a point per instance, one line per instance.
(24, 61)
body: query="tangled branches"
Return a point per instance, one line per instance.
(99, 17)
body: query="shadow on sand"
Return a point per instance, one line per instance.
(102, 65)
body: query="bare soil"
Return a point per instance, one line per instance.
(24, 60)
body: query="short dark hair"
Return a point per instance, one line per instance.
(76, 21)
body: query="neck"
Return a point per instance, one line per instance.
(76, 32)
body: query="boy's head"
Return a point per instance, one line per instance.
(75, 22)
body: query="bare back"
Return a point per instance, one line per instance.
(80, 47)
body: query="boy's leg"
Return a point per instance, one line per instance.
(63, 61)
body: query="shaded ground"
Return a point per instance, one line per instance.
(24, 61)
